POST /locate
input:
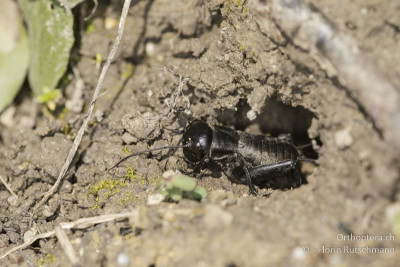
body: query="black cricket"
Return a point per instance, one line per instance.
(245, 158)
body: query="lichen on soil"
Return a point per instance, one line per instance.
(234, 75)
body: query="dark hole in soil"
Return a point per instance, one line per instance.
(73, 179)
(125, 231)
(275, 119)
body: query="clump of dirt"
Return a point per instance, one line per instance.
(207, 60)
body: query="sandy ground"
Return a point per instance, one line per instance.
(207, 60)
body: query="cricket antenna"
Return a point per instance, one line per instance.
(145, 151)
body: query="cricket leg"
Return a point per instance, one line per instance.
(263, 172)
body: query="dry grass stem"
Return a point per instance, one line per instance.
(78, 224)
(8, 186)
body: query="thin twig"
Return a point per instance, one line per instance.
(66, 245)
(27, 261)
(78, 224)
(8, 186)
(81, 131)
(28, 243)
(93, 10)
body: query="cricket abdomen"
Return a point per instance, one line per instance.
(262, 150)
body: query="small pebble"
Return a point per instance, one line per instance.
(4, 240)
(343, 138)
(251, 115)
(13, 201)
(155, 199)
(14, 237)
(47, 212)
(299, 253)
(99, 115)
(169, 173)
(28, 235)
(110, 23)
(150, 49)
(66, 187)
(122, 259)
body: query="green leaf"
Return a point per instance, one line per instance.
(200, 192)
(14, 56)
(10, 22)
(174, 194)
(165, 192)
(48, 95)
(51, 37)
(176, 197)
(184, 183)
(197, 194)
(70, 3)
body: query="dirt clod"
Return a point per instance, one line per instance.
(142, 127)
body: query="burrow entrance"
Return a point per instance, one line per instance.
(275, 119)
